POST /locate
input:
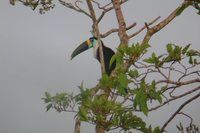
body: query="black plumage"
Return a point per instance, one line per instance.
(107, 53)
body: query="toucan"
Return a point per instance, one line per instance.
(107, 52)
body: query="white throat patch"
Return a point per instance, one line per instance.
(95, 47)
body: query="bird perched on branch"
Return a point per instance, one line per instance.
(107, 53)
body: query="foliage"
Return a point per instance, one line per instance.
(44, 5)
(140, 83)
(175, 54)
(112, 113)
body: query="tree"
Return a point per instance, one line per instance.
(108, 105)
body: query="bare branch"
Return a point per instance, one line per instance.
(116, 30)
(173, 99)
(74, 7)
(162, 24)
(107, 9)
(191, 120)
(178, 110)
(96, 33)
(139, 31)
(102, 7)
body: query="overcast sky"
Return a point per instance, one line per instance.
(35, 55)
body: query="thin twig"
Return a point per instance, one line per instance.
(102, 7)
(76, 7)
(116, 30)
(105, 10)
(179, 83)
(175, 98)
(136, 33)
(191, 120)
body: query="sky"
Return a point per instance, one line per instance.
(35, 55)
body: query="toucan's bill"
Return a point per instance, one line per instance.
(81, 48)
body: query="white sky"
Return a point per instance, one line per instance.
(35, 55)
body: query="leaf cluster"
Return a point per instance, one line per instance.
(111, 113)
(120, 83)
(144, 93)
(60, 102)
(175, 53)
(44, 5)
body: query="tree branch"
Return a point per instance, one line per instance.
(162, 24)
(116, 30)
(175, 98)
(76, 7)
(77, 126)
(178, 110)
(96, 33)
(140, 30)
(179, 83)
(105, 10)
(122, 24)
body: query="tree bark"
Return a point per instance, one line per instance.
(96, 33)
(77, 126)
(122, 24)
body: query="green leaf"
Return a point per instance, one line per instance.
(153, 59)
(83, 114)
(128, 50)
(152, 92)
(48, 95)
(133, 74)
(155, 95)
(190, 60)
(193, 52)
(185, 48)
(177, 53)
(127, 121)
(168, 59)
(143, 104)
(112, 60)
(138, 49)
(156, 130)
(180, 127)
(48, 107)
(81, 87)
(141, 101)
(118, 57)
(149, 60)
(122, 83)
(169, 48)
(106, 81)
(153, 85)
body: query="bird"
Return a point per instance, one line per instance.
(108, 53)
